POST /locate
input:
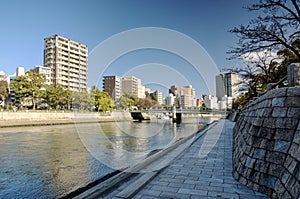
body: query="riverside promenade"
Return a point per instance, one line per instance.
(190, 176)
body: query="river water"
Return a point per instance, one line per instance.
(52, 161)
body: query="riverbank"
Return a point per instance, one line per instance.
(19, 119)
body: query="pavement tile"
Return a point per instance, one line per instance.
(193, 191)
(172, 195)
(192, 177)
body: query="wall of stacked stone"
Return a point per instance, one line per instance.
(266, 146)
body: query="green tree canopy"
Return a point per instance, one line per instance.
(58, 96)
(103, 102)
(3, 90)
(30, 85)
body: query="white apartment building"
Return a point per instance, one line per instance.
(68, 61)
(43, 70)
(159, 96)
(211, 102)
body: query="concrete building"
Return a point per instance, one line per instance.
(159, 95)
(130, 86)
(186, 96)
(43, 70)
(20, 71)
(227, 84)
(113, 86)
(170, 100)
(68, 61)
(211, 102)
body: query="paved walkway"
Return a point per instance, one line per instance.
(208, 177)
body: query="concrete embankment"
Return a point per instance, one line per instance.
(17, 119)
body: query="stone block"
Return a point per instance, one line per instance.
(279, 92)
(293, 91)
(267, 144)
(268, 181)
(288, 161)
(259, 153)
(293, 112)
(261, 166)
(275, 157)
(269, 123)
(266, 133)
(279, 188)
(293, 74)
(278, 101)
(279, 112)
(292, 166)
(250, 162)
(284, 134)
(297, 137)
(275, 170)
(286, 123)
(267, 112)
(295, 189)
(282, 146)
(285, 177)
(293, 101)
(286, 194)
(295, 151)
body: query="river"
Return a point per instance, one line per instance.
(52, 161)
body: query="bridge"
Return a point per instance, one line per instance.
(183, 111)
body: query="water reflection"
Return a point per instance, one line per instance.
(51, 161)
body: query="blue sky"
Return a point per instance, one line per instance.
(25, 24)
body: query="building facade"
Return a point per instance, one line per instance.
(227, 85)
(44, 71)
(113, 86)
(68, 62)
(130, 86)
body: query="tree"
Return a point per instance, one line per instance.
(103, 102)
(3, 90)
(127, 101)
(29, 85)
(275, 29)
(83, 100)
(58, 96)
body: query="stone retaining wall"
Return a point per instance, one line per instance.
(266, 146)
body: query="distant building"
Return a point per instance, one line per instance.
(68, 61)
(130, 86)
(113, 86)
(20, 71)
(211, 102)
(170, 100)
(43, 70)
(185, 96)
(227, 84)
(159, 95)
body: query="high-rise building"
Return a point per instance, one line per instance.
(113, 86)
(227, 85)
(43, 70)
(68, 61)
(130, 86)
